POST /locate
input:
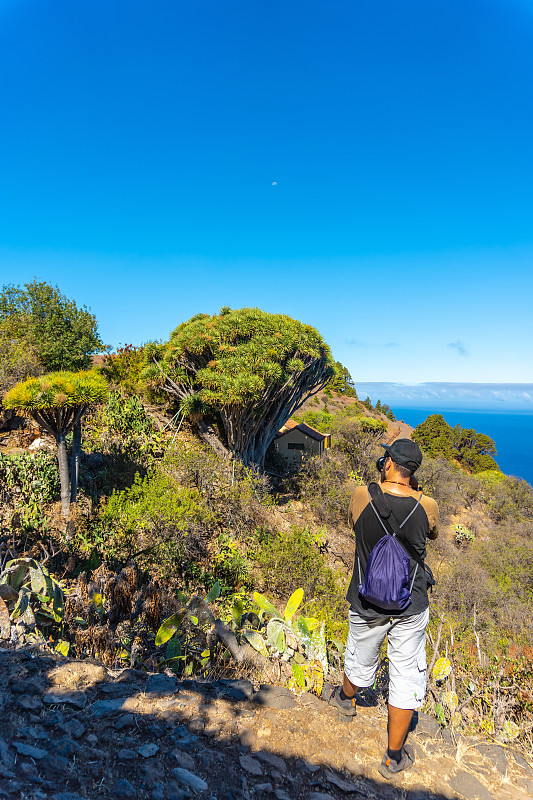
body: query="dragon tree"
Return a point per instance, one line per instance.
(57, 402)
(245, 369)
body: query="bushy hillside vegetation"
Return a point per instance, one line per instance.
(168, 535)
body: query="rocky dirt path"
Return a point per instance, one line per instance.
(72, 730)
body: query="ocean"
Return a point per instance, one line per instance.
(511, 433)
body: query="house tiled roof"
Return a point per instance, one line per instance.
(292, 425)
(289, 425)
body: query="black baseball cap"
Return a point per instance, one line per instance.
(404, 452)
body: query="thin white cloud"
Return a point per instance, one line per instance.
(497, 396)
(459, 346)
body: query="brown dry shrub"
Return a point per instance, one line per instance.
(325, 487)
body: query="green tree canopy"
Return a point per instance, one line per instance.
(471, 449)
(435, 437)
(39, 319)
(57, 402)
(19, 358)
(248, 369)
(342, 382)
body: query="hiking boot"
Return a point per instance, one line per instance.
(389, 767)
(346, 707)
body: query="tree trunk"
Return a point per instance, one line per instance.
(75, 470)
(209, 437)
(62, 461)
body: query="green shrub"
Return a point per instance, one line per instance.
(231, 568)
(293, 558)
(121, 420)
(29, 481)
(510, 498)
(119, 441)
(320, 420)
(159, 523)
(493, 581)
(123, 369)
(290, 559)
(236, 495)
(447, 484)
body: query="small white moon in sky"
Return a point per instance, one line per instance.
(274, 183)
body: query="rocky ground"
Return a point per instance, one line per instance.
(72, 730)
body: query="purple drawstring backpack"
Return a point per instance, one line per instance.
(386, 583)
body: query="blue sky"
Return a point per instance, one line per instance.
(366, 168)
(500, 397)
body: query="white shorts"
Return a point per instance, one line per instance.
(406, 649)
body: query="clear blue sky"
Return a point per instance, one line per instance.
(365, 167)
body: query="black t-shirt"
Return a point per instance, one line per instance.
(422, 524)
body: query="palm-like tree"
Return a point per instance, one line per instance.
(57, 402)
(247, 369)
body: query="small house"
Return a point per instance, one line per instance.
(296, 439)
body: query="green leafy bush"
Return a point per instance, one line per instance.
(120, 440)
(42, 320)
(320, 420)
(156, 521)
(231, 568)
(122, 418)
(29, 481)
(510, 498)
(123, 369)
(237, 496)
(293, 558)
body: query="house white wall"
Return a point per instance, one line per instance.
(295, 444)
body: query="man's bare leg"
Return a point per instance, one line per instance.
(399, 721)
(348, 688)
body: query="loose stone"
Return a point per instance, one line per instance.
(104, 707)
(340, 783)
(77, 699)
(73, 728)
(158, 792)
(250, 765)
(184, 759)
(123, 788)
(29, 703)
(466, 784)
(126, 721)
(148, 750)
(30, 751)
(272, 760)
(52, 719)
(175, 792)
(125, 754)
(187, 778)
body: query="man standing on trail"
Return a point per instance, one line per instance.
(415, 518)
